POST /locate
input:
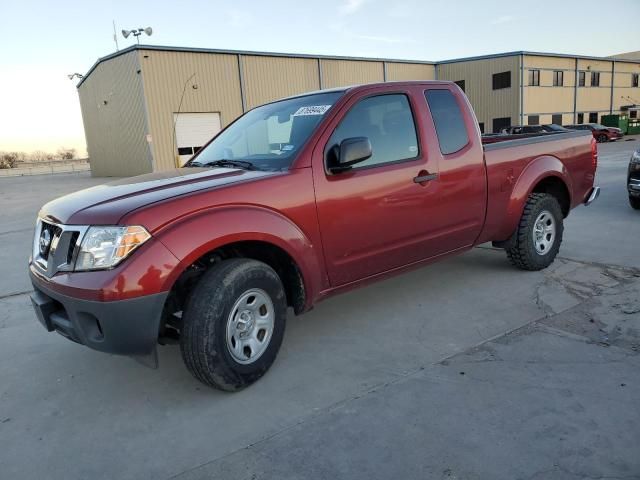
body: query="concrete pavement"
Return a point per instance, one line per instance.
(466, 369)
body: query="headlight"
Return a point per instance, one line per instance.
(635, 158)
(105, 247)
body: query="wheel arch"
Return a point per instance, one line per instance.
(545, 174)
(250, 232)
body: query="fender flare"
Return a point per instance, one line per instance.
(193, 236)
(537, 170)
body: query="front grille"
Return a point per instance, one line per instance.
(54, 232)
(55, 247)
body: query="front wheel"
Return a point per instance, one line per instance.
(539, 234)
(634, 202)
(233, 324)
(602, 138)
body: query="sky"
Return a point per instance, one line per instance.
(43, 41)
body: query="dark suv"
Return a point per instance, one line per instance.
(633, 180)
(600, 132)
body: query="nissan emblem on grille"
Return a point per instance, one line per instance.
(45, 241)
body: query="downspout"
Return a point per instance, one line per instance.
(241, 78)
(613, 72)
(521, 89)
(320, 75)
(575, 93)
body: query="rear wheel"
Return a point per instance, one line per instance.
(539, 234)
(634, 202)
(233, 324)
(602, 138)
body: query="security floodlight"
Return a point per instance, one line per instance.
(136, 32)
(75, 75)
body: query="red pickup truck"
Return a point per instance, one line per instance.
(295, 201)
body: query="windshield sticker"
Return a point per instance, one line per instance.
(312, 110)
(286, 148)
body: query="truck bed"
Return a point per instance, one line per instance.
(509, 158)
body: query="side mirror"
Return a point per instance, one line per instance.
(351, 151)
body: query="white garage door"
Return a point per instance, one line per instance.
(193, 130)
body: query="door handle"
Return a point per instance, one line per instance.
(425, 177)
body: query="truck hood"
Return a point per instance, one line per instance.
(107, 204)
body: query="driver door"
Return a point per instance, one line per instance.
(375, 216)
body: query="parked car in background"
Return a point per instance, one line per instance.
(362, 183)
(600, 132)
(528, 129)
(633, 180)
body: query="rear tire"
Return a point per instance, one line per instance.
(602, 138)
(233, 324)
(634, 202)
(539, 234)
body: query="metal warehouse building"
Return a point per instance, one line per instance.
(148, 108)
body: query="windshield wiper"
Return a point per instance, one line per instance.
(226, 163)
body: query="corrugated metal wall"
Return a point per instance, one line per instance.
(214, 87)
(478, 74)
(112, 104)
(410, 71)
(545, 99)
(270, 78)
(342, 73)
(265, 78)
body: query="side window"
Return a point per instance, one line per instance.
(448, 119)
(387, 122)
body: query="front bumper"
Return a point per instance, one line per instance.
(124, 327)
(591, 197)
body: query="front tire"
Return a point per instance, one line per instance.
(233, 324)
(539, 234)
(602, 138)
(634, 202)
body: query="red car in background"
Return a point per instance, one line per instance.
(600, 132)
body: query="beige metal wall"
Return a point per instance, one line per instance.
(546, 99)
(409, 71)
(478, 76)
(624, 93)
(342, 73)
(165, 75)
(270, 78)
(264, 78)
(112, 104)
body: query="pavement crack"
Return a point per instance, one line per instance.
(15, 294)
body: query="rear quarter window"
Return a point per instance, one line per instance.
(448, 120)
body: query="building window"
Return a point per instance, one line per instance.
(581, 79)
(556, 119)
(593, 117)
(481, 125)
(533, 120)
(500, 123)
(534, 78)
(581, 118)
(460, 83)
(595, 79)
(634, 79)
(501, 80)
(633, 113)
(558, 78)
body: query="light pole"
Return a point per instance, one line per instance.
(136, 32)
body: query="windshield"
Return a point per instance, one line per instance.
(269, 137)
